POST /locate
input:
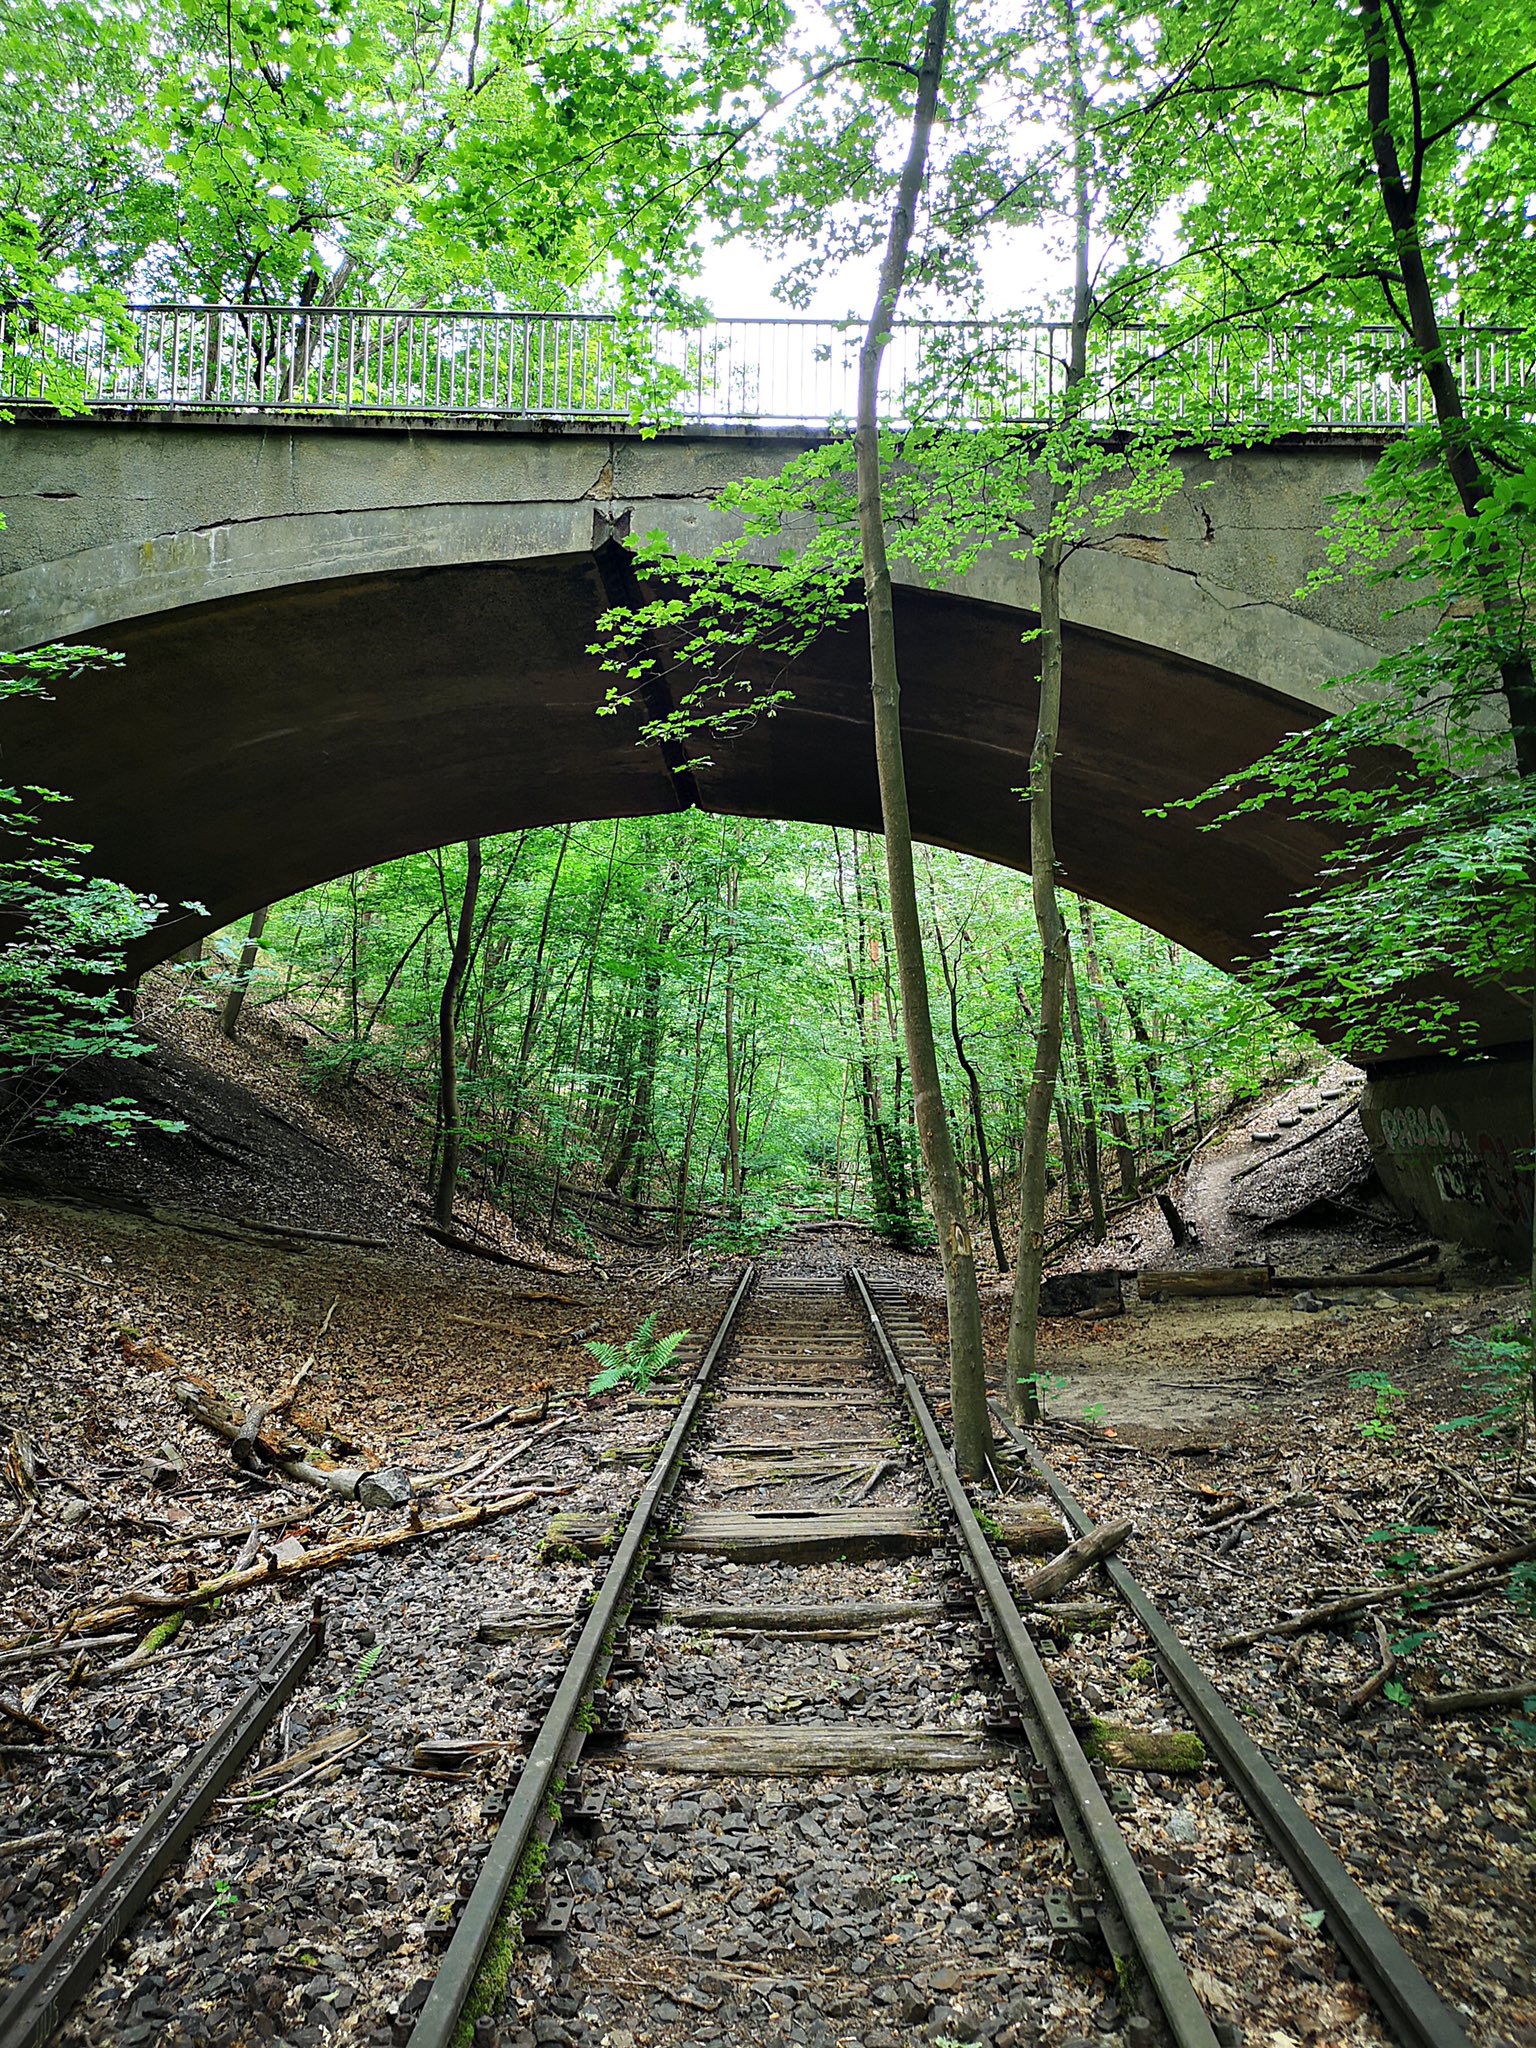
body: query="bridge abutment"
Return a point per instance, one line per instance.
(1452, 1146)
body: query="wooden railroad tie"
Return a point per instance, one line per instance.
(828, 1621)
(756, 1750)
(789, 1536)
(747, 1750)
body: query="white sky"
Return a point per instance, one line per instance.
(737, 280)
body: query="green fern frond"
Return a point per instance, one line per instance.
(635, 1362)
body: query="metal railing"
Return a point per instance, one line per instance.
(570, 366)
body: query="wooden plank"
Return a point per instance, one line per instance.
(795, 1537)
(834, 1447)
(745, 1751)
(788, 1536)
(800, 1397)
(1205, 1280)
(803, 1620)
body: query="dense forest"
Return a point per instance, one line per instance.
(694, 1024)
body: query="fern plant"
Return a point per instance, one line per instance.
(634, 1363)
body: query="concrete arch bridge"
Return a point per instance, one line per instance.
(346, 638)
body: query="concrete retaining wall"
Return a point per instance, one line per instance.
(1453, 1148)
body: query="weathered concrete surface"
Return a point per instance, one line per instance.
(1452, 1145)
(344, 641)
(227, 508)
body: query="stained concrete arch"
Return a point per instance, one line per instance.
(342, 644)
(345, 641)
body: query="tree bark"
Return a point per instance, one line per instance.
(685, 1164)
(536, 983)
(732, 1074)
(885, 1193)
(1022, 1386)
(1088, 1109)
(973, 1083)
(1022, 1389)
(447, 1046)
(229, 1016)
(1161, 1118)
(1109, 1069)
(968, 1386)
(637, 1125)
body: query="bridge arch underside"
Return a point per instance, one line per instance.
(253, 745)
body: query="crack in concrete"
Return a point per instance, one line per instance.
(242, 519)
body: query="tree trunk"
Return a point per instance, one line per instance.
(1161, 1119)
(1089, 1109)
(447, 1047)
(1022, 1382)
(968, 1383)
(686, 1163)
(229, 1016)
(1067, 1139)
(732, 1075)
(536, 985)
(637, 1126)
(973, 1083)
(1109, 1070)
(885, 1196)
(1022, 1385)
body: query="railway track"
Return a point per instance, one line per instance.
(809, 1773)
(1050, 1925)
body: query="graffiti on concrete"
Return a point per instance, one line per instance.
(1482, 1170)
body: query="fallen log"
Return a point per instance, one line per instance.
(1101, 1541)
(137, 1601)
(511, 1624)
(1095, 1292)
(1367, 1276)
(1428, 1252)
(369, 1486)
(1061, 1618)
(494, 1253)
(1178, 1229)
(1377, 1596)
(1439, 1704)
(242, 1445)
(1157, 1284)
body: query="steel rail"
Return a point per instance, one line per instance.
(59, 1979)
(1412, 2008)
(440, 2015)
(1187, 2020)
